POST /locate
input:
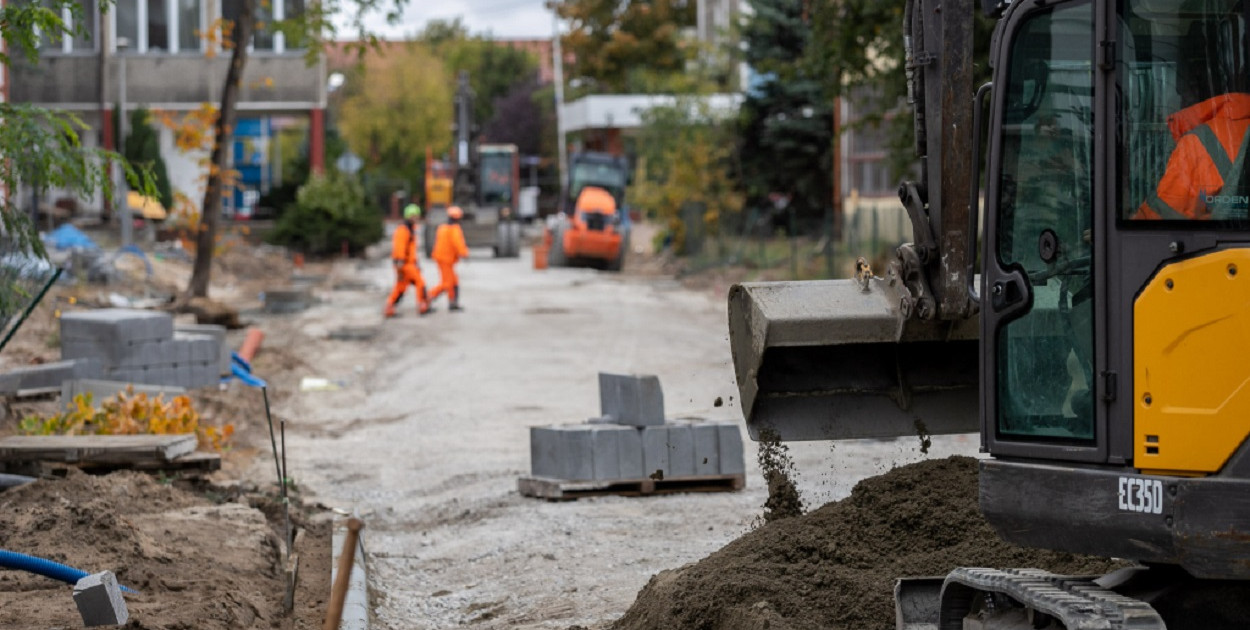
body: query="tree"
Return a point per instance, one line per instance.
(399, 106)
(621, 45)
(42, 147)
(142, 147)
(494, 70)
(786, 120)
(308, 28)
(857, 49)
(686, 160)
(519, 119)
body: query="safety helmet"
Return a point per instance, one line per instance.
(455, 212)
(412, 211)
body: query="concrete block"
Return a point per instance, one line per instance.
(51, 375)
(632, 399)
(179, 352)
(218, 333)
(103, 350)
(729, 440)
(160, 375)
(680, 451)
(629, 443)
(581, 452)
(546, 459)
(706, 448)
(99, 600)
(199, 347)
(10, 382)
(617, 452)
(655, 451)
(101, 390)
(287, 299)
(120, 324)
(204, 374)
(577, 452)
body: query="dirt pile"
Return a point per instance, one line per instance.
(197, 559)
(835, 567)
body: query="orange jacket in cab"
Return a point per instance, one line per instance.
(1208, 139)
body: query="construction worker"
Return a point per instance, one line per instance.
(1210, 133)
(404, 259)
(449, 248)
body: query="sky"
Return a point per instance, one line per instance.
(504, 19)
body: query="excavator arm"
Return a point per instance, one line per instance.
(896, 353)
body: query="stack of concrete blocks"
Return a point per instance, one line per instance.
(631, 440)
(138, 346)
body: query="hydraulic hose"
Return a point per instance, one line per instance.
(46, 568)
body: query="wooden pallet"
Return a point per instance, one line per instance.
(564, 490)
(133, 450)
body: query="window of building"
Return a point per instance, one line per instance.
(189, 25)
(127, 21)
(262, 39)
(158, 25)
(84, 23)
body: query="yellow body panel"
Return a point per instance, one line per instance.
(1191, 349)
(437, 192)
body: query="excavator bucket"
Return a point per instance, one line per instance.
(838, 359)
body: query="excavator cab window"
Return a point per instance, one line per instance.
(1184, 111)
(1046, 201)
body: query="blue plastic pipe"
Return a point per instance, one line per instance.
(46, 568)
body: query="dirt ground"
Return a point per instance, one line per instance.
(422, 431)
(201, 551)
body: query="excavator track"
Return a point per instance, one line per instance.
(1078, 603)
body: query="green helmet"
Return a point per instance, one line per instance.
(412, 211)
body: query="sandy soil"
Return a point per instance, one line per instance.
(422, 430)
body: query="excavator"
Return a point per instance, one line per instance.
(1102, 356)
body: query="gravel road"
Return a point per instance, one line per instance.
(427, 434)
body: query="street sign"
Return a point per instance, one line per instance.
(349, 163)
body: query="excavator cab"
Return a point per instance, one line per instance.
(1087, 311)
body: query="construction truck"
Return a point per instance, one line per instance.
(486, 186)
(593, 224)
(438, 183)
(1089, 322)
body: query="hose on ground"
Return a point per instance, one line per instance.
(41, 566)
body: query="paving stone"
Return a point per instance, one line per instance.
(706, 448)
(546, 459)
(655, 451)
(99, 600)
(680, 451)
(51, 375)
(631, 460)
(218, 333)
(730, 448)
(632, 399)
(118, 324)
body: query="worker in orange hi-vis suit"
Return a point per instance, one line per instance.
(1204, 172)
(404, 258)
(449, 248)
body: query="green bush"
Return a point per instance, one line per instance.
(329, 210)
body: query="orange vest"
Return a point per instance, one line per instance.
(1209, 137)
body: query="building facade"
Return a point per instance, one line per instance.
(167, 56)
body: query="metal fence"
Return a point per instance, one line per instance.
(773, 246)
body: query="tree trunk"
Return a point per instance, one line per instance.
(210, 215)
